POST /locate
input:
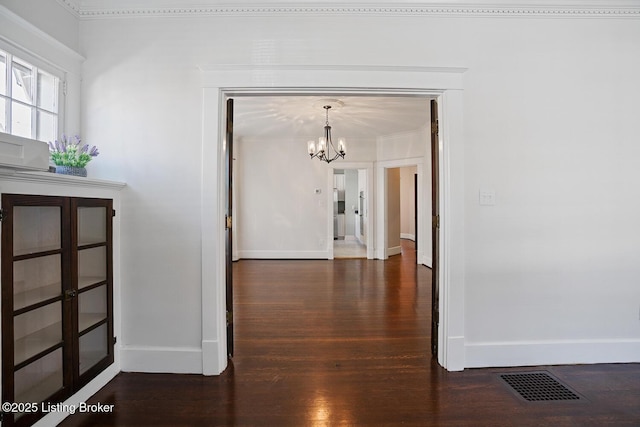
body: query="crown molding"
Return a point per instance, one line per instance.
(567, 9)
(72, 6)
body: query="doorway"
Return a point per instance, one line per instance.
(387, 192)
(277, 211)
(445, 84)
(350, 214)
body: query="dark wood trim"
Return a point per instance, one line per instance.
(435, 228)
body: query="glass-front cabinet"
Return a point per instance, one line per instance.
(57, 299)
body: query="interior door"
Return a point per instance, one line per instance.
(228, 160)
(435, 230)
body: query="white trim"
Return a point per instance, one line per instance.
(452, 255)
(494, 8)
(290, 79)
(58, 179)
(371, 240)
(533, 353)
(217, 85)
(427, 261)
(55, 418)
(290, 254)
(183, 360)
(72, 6)
(408, 236)
(381, 197)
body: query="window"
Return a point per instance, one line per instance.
(29, 99)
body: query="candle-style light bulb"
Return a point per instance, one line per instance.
(322, 144)
(342, 145)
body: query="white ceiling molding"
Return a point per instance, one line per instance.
(102, 9)
(72, 6)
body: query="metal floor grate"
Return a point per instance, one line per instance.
(539, 386)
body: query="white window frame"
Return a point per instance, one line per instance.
(38, 64)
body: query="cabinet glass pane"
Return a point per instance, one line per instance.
(36, 280)
(40, 379)
(92, 307)
(36, 331)
(93, 347)
(92, 266)
(36, 229)
(92, 225)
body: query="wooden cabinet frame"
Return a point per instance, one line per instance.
(93, 326)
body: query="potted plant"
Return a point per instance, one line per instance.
(71, 156)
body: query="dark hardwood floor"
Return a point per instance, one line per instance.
(346, 343)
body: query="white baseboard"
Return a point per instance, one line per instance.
(481, 355)
(55, 418)
(455, 354)
(396, 250)
(428, 261)
(214, 361)
(283, 254)
(408, 236)
(181, 360)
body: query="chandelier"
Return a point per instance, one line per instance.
(325, 150)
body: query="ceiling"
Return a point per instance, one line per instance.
(351, 117)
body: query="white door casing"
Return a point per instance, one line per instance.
(223, 81)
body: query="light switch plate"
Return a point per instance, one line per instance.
(487, 197)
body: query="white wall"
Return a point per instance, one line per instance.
(392, 216)
(550, 108)
(362, 188)
(351, 200)
(407, 202)
(279, 213)
(547, 102)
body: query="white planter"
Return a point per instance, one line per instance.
(23, 153)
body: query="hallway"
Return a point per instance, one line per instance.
(346, 343)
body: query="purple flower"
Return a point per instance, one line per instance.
(94, 151)
(84, 148)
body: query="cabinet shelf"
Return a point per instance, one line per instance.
(37, 251)
(36, 295)
(86, 281)
(87, 320)
(37, 342)
(88, 244)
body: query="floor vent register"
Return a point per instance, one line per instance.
(539, 387)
